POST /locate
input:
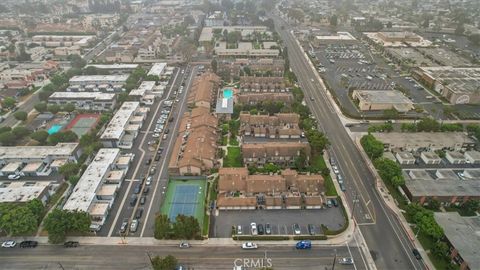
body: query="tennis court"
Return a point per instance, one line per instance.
(185, 197)
(83, 123)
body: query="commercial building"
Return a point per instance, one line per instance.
(247, 49)
(421, 141)
(278, 126)
(337, 38)
(409, 56)
(97, 188)
(124, 126)
(21, 191)
(398, 39)
(90, 101)
(280, 153)
(195, 148)
(376, 100)
(457, 85)
(103, 83)
(36, 160)
(287, 190)
(463, 238)
(444, 57)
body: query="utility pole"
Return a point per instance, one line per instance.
(61, 266)
(334, 260)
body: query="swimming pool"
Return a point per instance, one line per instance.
(54, 129)
(227, 93)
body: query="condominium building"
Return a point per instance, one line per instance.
(90, 101)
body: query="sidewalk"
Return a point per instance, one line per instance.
(390, 202)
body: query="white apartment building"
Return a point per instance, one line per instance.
(102, 83)
(90, 101)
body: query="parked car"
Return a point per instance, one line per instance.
(416, 253)
(143, 199)
(28, 244)
(334, 202)
(156, 135)
(133, 200)
(153, 170)
(149, 181)
(157, 157)
(296, 229)
(70, 244)
(345, 261)
(165, 136)
(342, 186)
(137, 188)
(9, 244)
(160, 150)
(268, 228)
(148, 162)
(239, 230)
(13, 176)
(253, 228)
(260, 229)
(249, 245)
(311, 229)
(146, 190)
(304, 244)
(124, 226)
(134, 225)
(184, 245)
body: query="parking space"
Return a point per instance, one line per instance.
(281, 221)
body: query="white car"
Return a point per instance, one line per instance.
(149, 181)
(156, 135)
(253, 228)
(14, 176)
(249, 245)
(346, 261)
(9, 244)
(335, 170)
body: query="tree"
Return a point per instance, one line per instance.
(69, 107)
(5, 129)
(428, 125)
(334, 20)
(397, 181)
(44, 95)
(41, 107)
(9, 102)
(389, 25)
(301, 160)
(60, 222)
(20, 115)
(21, 132)
(186, 227)
(389, 171)
(167, 263)
(318, 141)
(69, 169)
(73, 179)
(54, 108)
(433, 204)
(373, 147)
(214, 65)
(162, 227)
(40, 136)
(19, 221)
(440, 249)
(474, 38)
(59, 80)
(390, 114)
(7, 138)
(67, 136)
(469, 208)
(76, 61)
(90, 70)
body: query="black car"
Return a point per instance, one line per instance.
(70, 244)
(149, 161)
(157, 157)
(28, 244)
(143, 199)
(137, 188)
(416, 253)
(334, 202)
(160, 150)
(260, 229)
(146, 190)
(311, 229)
(166, 131)
(138, 213)
(133, 200)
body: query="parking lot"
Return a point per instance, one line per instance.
(281, 221)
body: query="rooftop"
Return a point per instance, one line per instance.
(21, 191)
(338, 37)
(157, 69)
(114, 66)
(144, 87)
(82, 95)
(464, 234)
(37, 152)
(84, 193)
(224, 105)
(459, 80)
(116, 126)
(424, 139)
(98, 78)
(442, 187)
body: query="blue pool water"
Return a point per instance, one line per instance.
(54, 129)
(227, 93)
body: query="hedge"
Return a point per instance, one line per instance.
(310, 237)
(261, 237)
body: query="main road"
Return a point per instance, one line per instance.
(389, 245)
(196, 257)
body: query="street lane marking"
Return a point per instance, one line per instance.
(351, 256)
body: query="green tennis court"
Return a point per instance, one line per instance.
(185, 197)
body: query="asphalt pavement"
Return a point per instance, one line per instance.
(388, 243)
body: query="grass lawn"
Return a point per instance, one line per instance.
(233, 141)
(428, 243)
(233, 157)
(224, 140)
(319, 164)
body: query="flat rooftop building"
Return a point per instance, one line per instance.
(94, 101)
(22, 191)
(157, 69)
(463, 235)
(398, 39)
(375, 100)
(426, 140)
(98, 79)
(339, 37)
(117, 68)
(145, 86)
(121, 125)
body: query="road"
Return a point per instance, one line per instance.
(388, 243)
(197, 257)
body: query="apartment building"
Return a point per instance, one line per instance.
(278, 126)
(281, 153)
(25, 191)
(157, 69)
(102, 83)
(36, 160)
(115, 68)
(246, 49)
(125, 125)
(203, 90)
(63, 41)
(90, 101)
(97, 188)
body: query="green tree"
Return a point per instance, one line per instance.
(41, 107)
(21, 132)
(318, 141)
(59, 80)
(60, 222)
(390, 114)
(440, 249)
(162, 227)
(40, 136)
(9, 102)
(19, 221)
(334, 20)
(5, 129)
(214, 65)
(469, 208)
(301, 160)
(69, 169)
(397, 181)
(73, 179)
(428, 125)
(53, 108)
(167, 263)
(7, 138)
(186, 227)
(20, 115)
(37, 208)
(44, 95)
(90, 70)
(433, 204)
(49, 88)
(373, 147)
(69, 107)
(460, 29)
(76, 61)
(389, 171)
